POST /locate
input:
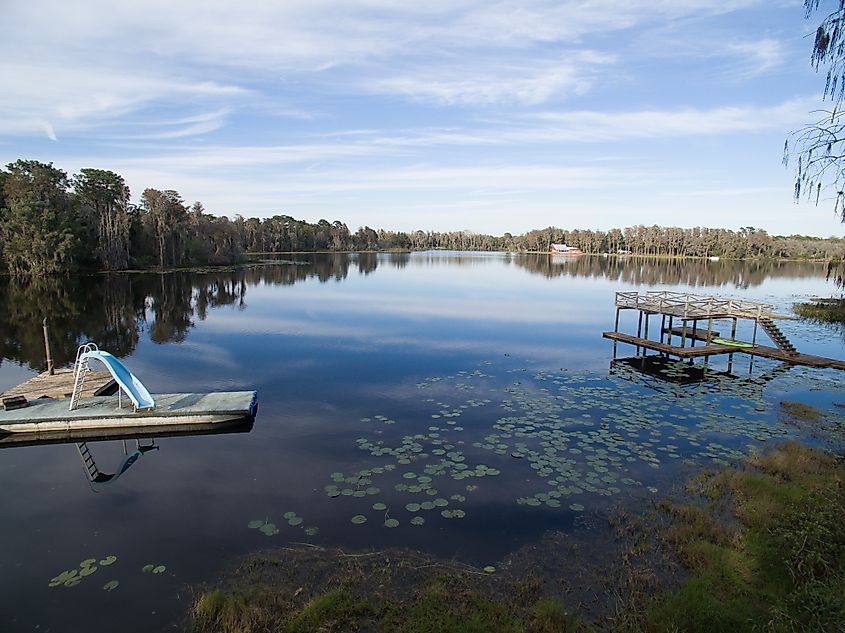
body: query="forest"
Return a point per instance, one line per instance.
(52, 223)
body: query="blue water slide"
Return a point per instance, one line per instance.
(128, 381)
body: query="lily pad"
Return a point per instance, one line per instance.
(391, 523)
(108, 560)
(256, 523)
(63, 578)
(111, 585)
(358, 519)
(160, 569)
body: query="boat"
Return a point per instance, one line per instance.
(92, 416)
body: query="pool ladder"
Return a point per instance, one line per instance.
(80, 371)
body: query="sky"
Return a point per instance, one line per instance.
(482, 115)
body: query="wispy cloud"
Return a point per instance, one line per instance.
(53, 99)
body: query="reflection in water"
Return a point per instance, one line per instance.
(675, 377)
(689, 272)
(115, 309)
(97, 478)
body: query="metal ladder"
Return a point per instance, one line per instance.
(80, 371)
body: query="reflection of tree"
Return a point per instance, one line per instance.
(367, 262)
(112, 310)
(102, 308)
(170, 301)
(651, 271)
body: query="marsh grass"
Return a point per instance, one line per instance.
(780, 567)
(826, 311)
(295, 590)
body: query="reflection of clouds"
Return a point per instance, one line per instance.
(551, 308)
(210, 354)
(248, 324)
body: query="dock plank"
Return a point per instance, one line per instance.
(60, 385)
(49, 419)
(764, 351)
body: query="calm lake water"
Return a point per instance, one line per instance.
(457, 403)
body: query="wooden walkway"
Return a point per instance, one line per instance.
(713, 349)
(60, 385)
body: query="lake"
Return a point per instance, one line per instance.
(462, 404)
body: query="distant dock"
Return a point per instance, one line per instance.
(695, 316)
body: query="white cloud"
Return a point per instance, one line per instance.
(55, 98)
(593, 126)
(497, 80)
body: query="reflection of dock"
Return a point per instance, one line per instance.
(60, 385)
(692, 311)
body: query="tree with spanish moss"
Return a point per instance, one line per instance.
(818, 148)
(37, 219)
(104, 207)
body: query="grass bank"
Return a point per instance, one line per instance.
(759, 547)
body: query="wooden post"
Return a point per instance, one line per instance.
(684, 334)
(616, 323)
(733, 338)
(669, 333)
(639, 329)
(694, 328)
(50, 368)
(709, 336)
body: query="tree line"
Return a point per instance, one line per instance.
(54, 223)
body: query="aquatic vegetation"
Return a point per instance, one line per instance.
(571, 437)
(72, 577)
(264, 526)
(398, 591)
(111, 585)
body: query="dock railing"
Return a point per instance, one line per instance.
(689, 306)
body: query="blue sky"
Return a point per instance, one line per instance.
(445, 115)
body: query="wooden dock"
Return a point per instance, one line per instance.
(695, 311)
(713, 349)
(60, 385)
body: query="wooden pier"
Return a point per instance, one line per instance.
(693, 311)
(59, 384)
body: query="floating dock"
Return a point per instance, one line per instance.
(49, 419)
(696, 315)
